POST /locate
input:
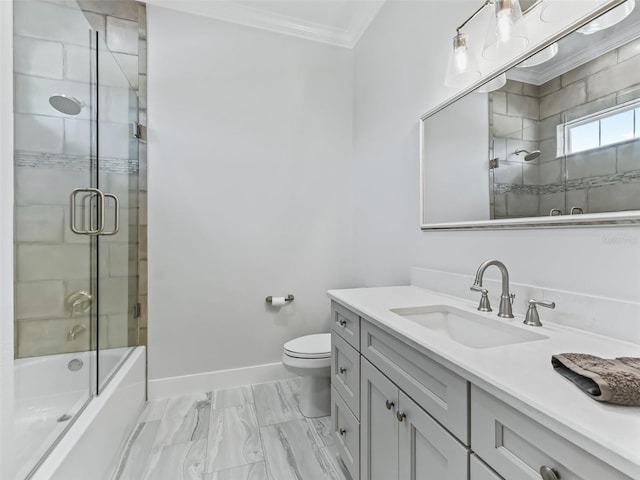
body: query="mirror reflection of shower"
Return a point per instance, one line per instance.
(529, 155)
(66, 104)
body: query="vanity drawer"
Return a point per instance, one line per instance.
(346, 431)
(480, 471)
(346, 324)
(517, 447)
(345, 372)
(439, 391)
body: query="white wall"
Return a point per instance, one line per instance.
(6, 238)
(250, 138)
(399, 70)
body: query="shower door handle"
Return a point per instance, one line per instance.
(93, 229)
(116, 227)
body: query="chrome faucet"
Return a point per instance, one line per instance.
(506, 299)
(76, 330)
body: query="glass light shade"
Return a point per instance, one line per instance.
(506, 35)
(540, 57)
(492, 85)
(609, 19)
(555, 11)
(462, 69)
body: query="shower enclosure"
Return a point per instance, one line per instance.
(76, 221)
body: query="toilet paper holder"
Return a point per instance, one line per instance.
(288, 298)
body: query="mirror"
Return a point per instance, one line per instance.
(553, 140)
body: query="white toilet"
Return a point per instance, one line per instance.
(310, 358)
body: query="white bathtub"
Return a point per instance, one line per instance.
(46, 389)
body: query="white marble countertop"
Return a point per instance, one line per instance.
(521, 375)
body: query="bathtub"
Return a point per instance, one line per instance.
(46, 389)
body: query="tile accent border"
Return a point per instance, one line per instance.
(571, 185)
(74, 162)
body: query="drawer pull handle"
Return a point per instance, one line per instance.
(342, 432)
(401, 416)
(389, 404)
(342, 322)
(343, 370)
(548, 473)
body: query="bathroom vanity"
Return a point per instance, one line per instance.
(416, 396)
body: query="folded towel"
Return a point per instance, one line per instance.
(606, 380)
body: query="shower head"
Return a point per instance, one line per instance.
(529, 155)
(66, 104)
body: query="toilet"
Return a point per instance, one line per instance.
(310, 358)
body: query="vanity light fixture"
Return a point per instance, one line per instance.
(609, 19)
(554, 11)
(462, 68)
(506, 36)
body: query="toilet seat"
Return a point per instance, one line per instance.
(309, 346)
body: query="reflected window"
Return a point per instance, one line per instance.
(618, 125)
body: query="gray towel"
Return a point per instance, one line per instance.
(606, 380)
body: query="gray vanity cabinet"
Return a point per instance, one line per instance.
(401, 441)
(345, 386)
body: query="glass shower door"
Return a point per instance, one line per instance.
(117, 169)
(55, 268)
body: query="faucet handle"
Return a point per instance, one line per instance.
(484, 305)
(532, 317)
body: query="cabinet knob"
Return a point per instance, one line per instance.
(342, 432)
(548, 473)
(389, 404)
(343, 370)
(342, 322)
(401, 416)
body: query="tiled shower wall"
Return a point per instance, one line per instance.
(51, 56)
(602, 180)
(514, 116)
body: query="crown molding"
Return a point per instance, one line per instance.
(233, 12)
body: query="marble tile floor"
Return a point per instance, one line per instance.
(254, 432)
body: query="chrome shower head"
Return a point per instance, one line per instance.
(65, 104)
(529, 155)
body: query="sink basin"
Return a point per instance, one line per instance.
(466, 328)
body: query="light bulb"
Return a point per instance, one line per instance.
(462, 68)
(506, 35)
(504, 21)
(461, 57)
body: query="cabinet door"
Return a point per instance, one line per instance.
(427, 451)
(346, 431)
(345, 372)
(378, 425)
(479, 471)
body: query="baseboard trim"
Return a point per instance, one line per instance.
(208, 381)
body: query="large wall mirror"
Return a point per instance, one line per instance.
(554, 142)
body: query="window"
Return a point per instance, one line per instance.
(610, 127)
